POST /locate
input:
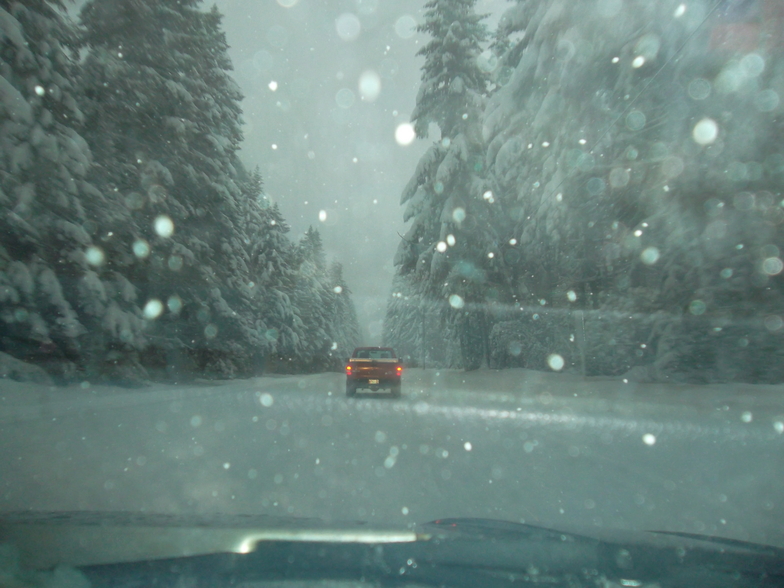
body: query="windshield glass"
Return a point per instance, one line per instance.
(565, 218)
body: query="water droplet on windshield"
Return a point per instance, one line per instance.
(404, 134)
(164, 226)
(556, 362)
(348, 26)
(456, 301)
(153, 309)
(706, 131)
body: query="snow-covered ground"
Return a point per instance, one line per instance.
(514, 445)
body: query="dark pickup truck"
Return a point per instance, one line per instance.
(374, 368)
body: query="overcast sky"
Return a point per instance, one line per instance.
(320, 143)
(327, 150)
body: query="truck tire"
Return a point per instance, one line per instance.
(351, 390)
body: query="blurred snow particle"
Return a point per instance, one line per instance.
(766, 101)
(164, 226)
(456, 301)
(345, 98)
(404, 134)
(705, 131)
(752, 65)
(404, 510)
(273, 85)
(650, 255)
(571, 296)
(615, 59)
(450, 240)
(638, 62)
(94, 255)
(487, 61)
(210, 331)
(458, 214)
(697, 307)
(40, 90)
(491, 255)
(747, 417)
(488, 196)
(380, 436)
(772, 266)
(680, 11)
(287, 3)
(369, 85)
(672, 166)
(467, 446)
(513, 241)
(635, 120)
(773, 323)
(311, 155)
(649, 439)
(175, 263)
(274, 147)
(779, 426)
(699, 89)
(322, 215)
(348, 26)
(266, 400)
(619, 177)
(405, 26)
(441, 247)
(153, 309)
(647, 47)
(556, 362)
(337, 289)
(174, 303)
(726, 273)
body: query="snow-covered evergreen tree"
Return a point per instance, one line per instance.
(272, 259)
(60, 303)
(453, 85)
(344, 325)
(445, 250)
(163, 118)
(311, 298)
(633, 159)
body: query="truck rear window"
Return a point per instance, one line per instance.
(375, 354)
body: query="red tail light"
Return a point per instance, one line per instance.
(399, 369)
(348, 370)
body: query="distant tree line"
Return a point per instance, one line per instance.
(133, 241)
(605, 195)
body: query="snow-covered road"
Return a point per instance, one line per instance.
(513, 445)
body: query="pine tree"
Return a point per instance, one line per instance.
(444, 252)
(311, 299)
(271, 268)
(163, 118)
(60, 303)
(344, 326)
(452, 83)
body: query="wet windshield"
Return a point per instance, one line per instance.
(564, 217)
